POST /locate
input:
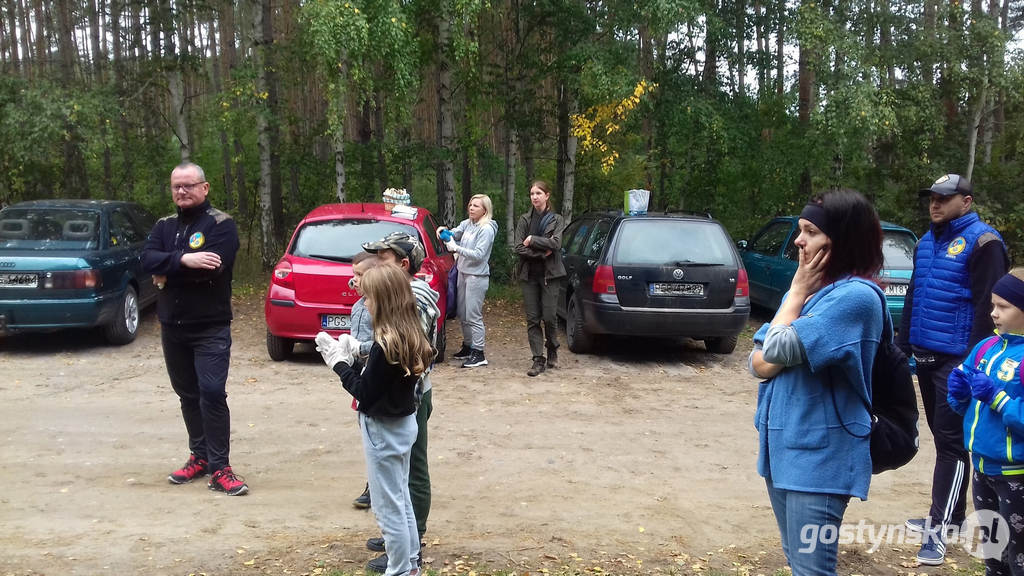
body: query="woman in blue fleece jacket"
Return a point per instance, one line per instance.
(987, 390)
(816, 357)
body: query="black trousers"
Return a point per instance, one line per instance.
(197, 361)
(952, 464)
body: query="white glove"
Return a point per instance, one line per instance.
(334, 351)
(452, 246)
(351, 346)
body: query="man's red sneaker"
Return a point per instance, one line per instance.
(194, 468)
(224, 480)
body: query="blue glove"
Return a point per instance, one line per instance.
(987, 391)
(959, 385)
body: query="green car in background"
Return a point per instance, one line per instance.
(771, 260)
(74, 264)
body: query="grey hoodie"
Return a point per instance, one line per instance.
(474, 246)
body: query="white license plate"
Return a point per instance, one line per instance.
(676, 289)
(896, 290)
(335, 321)
(15, 280)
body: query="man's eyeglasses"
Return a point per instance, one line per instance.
(187, 188)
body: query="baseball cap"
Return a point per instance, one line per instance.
(948, 185)
(404, 245)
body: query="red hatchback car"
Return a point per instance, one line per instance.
(309, 289)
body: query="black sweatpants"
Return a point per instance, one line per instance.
(197, 361)
(952, 464)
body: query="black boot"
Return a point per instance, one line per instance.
(553, 357)
(538, 366)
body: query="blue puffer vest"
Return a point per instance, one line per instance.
(943, 311)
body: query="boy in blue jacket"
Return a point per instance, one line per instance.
(987, 390)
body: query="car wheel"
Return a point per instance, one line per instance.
(279, 348)
(575, 333)
(722, 345)
(442, 343)
(125, 325)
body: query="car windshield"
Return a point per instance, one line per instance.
(49, 229)
(898, 249)
(672, 243)
(340, 240)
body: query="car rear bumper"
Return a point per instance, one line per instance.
(608, 318)
(54, 314)
(298, 320)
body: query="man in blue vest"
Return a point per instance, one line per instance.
(949, 298)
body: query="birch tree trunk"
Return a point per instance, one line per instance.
(510, 186)
(338, 110)
(446, 131)
(980, 101)
(268, 243)
(567, 161)
(176, 88)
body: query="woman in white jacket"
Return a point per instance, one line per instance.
(471, 242)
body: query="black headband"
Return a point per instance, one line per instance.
(815, 214)
(1011, 289)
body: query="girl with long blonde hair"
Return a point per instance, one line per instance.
(385, 392)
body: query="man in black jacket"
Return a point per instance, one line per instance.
(191, 255)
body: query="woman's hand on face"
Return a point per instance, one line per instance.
(809, 272)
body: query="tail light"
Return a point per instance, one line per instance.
(604, 280)
(73, 279)
(283, 274)
(742, 284)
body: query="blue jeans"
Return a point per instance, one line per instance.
(809, 525)
(387, 443)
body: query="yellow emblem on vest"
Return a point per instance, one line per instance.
(197, 240)
(1007, 369)
(956, 246)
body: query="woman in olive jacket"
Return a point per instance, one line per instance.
(540, 272)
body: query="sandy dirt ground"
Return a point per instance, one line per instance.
(640, 459)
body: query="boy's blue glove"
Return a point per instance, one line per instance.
(988, 391)
(959, 385)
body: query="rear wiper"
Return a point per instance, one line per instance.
(692, 263)
(331, 257)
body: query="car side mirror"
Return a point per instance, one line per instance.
(742, 244)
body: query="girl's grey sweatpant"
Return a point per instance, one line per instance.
(472, 289)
